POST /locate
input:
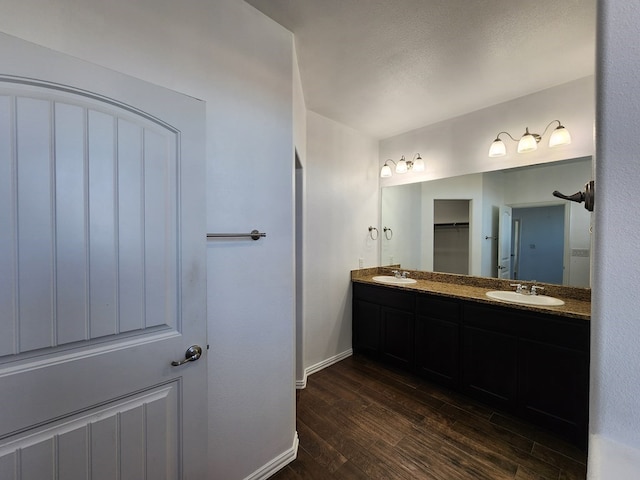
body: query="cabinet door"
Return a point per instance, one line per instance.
(489, 365)
(397, 337)
(553, 387)
(366, 327)
(437, 350)
(437, 339)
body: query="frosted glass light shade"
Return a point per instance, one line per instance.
(385, 172)
(418, 165)
(527, 143)
(497, 148)
(401, 167)
(560, 136)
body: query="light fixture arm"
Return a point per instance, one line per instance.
(506, 133)
(551, 123)
(389, 160)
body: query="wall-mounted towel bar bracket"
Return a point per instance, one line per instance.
(254, 235)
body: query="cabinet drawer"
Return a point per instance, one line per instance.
(386, 296)
(563, 332)
(566, 333)
(436, 307)
(493, 319)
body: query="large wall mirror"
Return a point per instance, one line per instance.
(503, 224)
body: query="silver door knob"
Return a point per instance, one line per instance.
(193, 353)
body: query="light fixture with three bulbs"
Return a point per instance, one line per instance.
(403, 166)
(529, 141)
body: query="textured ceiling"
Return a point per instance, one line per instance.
(385, 67)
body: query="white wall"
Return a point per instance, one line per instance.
(341, 202)
(614, 446)
(461, 145)
(240, 63)
(401, 212)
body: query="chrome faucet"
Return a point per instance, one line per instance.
(535, 288)
(400, 275)
(520, 288)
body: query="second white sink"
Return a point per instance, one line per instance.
(394, 280)
(514, 297)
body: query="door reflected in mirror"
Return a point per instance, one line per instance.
(523, 253)
(537, 243)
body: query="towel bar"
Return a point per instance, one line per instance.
(255, 235)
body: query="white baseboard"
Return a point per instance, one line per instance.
(277, 463)
(300, 384)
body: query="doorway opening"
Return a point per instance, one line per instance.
(451, 236)
(538, 238)
(298, 202)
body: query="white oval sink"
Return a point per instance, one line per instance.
(514, 297)
(394, 280)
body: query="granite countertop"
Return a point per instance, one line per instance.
(577, 300)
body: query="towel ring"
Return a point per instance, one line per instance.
(371, 230)
(387, 236)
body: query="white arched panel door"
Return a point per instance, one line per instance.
(504, 242)
(102, 279)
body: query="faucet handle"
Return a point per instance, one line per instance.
(396, 273)
(405, 274)
(535, 288)
(519, 287)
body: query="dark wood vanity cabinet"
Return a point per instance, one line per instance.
(531, 364)
(366, 326)
(437, 339)
(489, 356)
(553, 374)
(397, 337)
(383, 321)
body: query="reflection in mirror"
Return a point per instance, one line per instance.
(451, 236)
(548, 240)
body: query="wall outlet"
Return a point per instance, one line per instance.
(360, 262)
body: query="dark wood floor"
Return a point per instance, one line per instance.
(360, 420)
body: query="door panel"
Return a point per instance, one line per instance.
(101, 269)
(504, 242)
(124, 439)
(71, 249)
(102, 249)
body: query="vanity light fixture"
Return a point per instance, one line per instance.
(529, 141)
(403, 166)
